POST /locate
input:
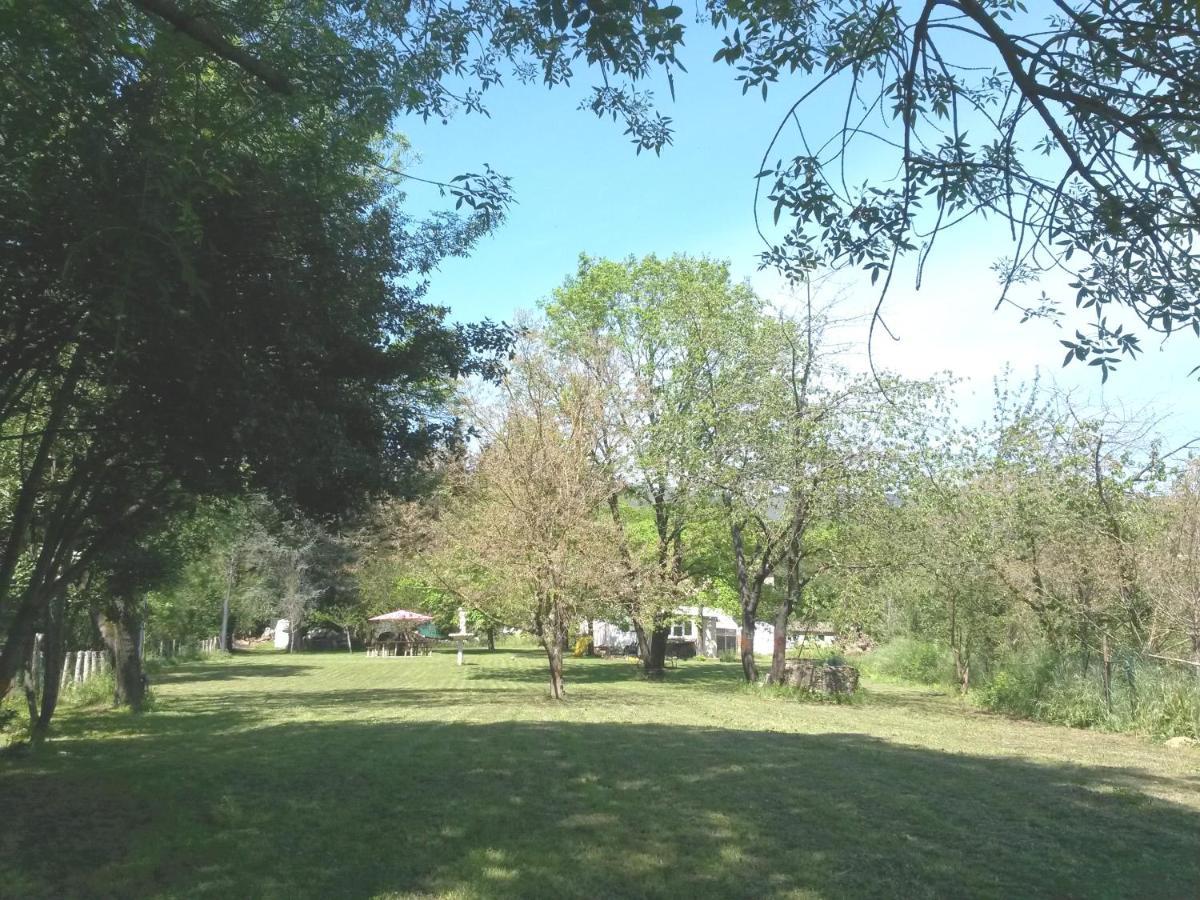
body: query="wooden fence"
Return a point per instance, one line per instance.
(83, 665)
(80, 666)
(172, 648)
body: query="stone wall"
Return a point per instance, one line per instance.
(815, 675)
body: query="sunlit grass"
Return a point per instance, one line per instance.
(338, 775)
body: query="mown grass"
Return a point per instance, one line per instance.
(333, 775)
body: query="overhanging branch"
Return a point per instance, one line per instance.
(204, 33)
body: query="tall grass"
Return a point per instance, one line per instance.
(909, 659)
(1146, 697)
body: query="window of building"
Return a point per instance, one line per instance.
(726, 640)
(682, 629)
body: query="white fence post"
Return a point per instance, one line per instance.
(35, 665)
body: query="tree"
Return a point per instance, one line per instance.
(1043, 530)
(523, 538)
(628, 327)
(209, 292)
(1174, 568)
(1074, 124)
(300, 564)
(787, 443)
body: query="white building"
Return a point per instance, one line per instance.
(714, 632)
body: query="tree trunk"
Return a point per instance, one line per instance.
(349, 646)
(642, 640)
(749, 592)
(230, 583)
(13, 653)
(749, 667)
(555, 655)
(962, 670)
(53, 656)
(656, 659)
(779, 650)
(225, 625)
(30, 681)
(1106, 673)
(591, 636)
(119, 625)
(491, 637)
(32, 483)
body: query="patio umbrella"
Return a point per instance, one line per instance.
(401, 615)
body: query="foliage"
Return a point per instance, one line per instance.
(211, 288)
(909, 659)
(791, 446)
(535, 483)
(1071, 123)
(635, 329)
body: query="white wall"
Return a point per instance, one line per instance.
(764, 639)
(606, 634)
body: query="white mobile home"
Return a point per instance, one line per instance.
(713, 632)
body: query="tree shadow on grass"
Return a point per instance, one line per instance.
(185, 673)
(700, 673)
(561, 809)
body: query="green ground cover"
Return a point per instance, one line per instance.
(322, 775)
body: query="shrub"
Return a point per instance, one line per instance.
(908, 659)
(729, 656)
(681, 649)
(1076, 700)
(96, 690)
(829, 655)
(1019, 683)
(1169, 705)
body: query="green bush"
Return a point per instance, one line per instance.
(908, 659)
(729, 656)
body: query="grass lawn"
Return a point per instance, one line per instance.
(322, 775)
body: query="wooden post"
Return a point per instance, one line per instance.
(78, 666)
(67, 669)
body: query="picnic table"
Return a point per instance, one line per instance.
(409, 647)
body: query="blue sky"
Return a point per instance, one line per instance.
(581, 188)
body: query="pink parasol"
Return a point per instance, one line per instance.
(401, 615)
